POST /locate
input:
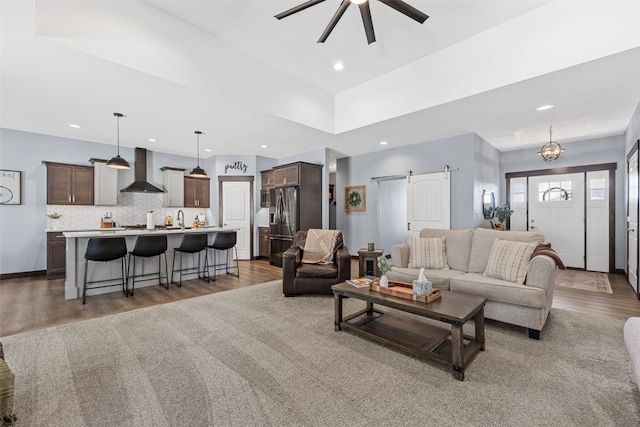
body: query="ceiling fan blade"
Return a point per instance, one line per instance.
(336, 17)
(298, 8)
(365, 11)
(406, 9)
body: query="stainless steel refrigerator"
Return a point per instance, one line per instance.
(284, 221)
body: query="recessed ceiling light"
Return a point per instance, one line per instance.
(338, 66)
(264, 146)
(544, 107)
(208, 150)
(383, 142)
(75, 126)
(152, 140)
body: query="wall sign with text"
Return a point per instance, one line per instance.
(10, 187)
(238, 166)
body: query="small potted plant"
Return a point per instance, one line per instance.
(503, 213)
(53, 217)
(384, 266)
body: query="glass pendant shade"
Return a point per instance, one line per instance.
(551, 150)
(118, 162)
(198, 172)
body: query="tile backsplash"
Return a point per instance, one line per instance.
(132, 209)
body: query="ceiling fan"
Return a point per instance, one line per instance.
(365, 11)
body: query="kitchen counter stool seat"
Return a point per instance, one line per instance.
(190, 244)
(105, 249)
(224, 241)
(148, 247)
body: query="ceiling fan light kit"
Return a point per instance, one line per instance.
(365, 12)
(551, 150)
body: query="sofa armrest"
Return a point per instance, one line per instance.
(290, 260)
(343, 261)
(542, 274)
(400, 255)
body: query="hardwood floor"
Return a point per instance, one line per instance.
(32, 303)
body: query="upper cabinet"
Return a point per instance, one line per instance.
(105, 183)
(268, 180)
(286, 176)
(69, 184)
(174, 186)
(196, 192)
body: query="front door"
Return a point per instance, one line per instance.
(632, 222)
(236, 213)
(556, 209)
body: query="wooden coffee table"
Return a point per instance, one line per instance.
(448, 346)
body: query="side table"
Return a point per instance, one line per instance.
(368, 262)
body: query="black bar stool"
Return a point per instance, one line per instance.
(105, 249)
(147, 247)
(224, 241)
(190, 244)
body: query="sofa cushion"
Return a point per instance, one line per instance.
(482, 241)
(427, 252)
(328, 271)
(457, 246)
(499, 290)
(509, 260)
(438, 278)
(632, 342)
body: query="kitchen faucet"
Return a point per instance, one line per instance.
(181, 219)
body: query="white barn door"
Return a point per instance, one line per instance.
(428, 201)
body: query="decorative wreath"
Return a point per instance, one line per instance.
(354, 199)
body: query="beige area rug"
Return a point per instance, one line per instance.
(585, 280)
(250, 357)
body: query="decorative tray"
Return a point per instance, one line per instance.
(405, 290)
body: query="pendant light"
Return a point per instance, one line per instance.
(118, 162)
(198, 172)
(551, 150)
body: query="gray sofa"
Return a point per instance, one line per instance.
(467, 252)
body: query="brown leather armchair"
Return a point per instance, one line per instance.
(299, 278)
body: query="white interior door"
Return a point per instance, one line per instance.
(236, 213)
(632, 222)
(598, 221)
(428, 201)
(556, 209)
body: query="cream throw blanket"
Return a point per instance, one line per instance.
(319, 247)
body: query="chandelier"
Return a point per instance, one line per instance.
(551, 150)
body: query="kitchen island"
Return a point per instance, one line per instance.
(76, 246)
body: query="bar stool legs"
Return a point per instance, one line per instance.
(105, 250)
(148, 247)
(191, 244)
(224, 241)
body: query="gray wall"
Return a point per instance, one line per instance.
(473, 162)
(580, 153)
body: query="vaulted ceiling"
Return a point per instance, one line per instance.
(246, 79)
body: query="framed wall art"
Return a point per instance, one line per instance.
(355, 198)
(10, 187)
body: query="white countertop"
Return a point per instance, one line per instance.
(107, 232)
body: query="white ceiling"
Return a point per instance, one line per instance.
(244, 78)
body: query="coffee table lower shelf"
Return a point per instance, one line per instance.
(420, 339)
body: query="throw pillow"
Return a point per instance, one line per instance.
(509, 260)
(320, 246)
(427, 252)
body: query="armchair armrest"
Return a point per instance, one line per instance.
(290, 260)
(400, 255)
(343, 261)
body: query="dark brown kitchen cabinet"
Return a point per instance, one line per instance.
(56, 254)
(268, 180)
(196, 192)
(69, 184)
(286, 176)
(263, 242)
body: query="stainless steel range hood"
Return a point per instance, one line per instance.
(140, 185)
